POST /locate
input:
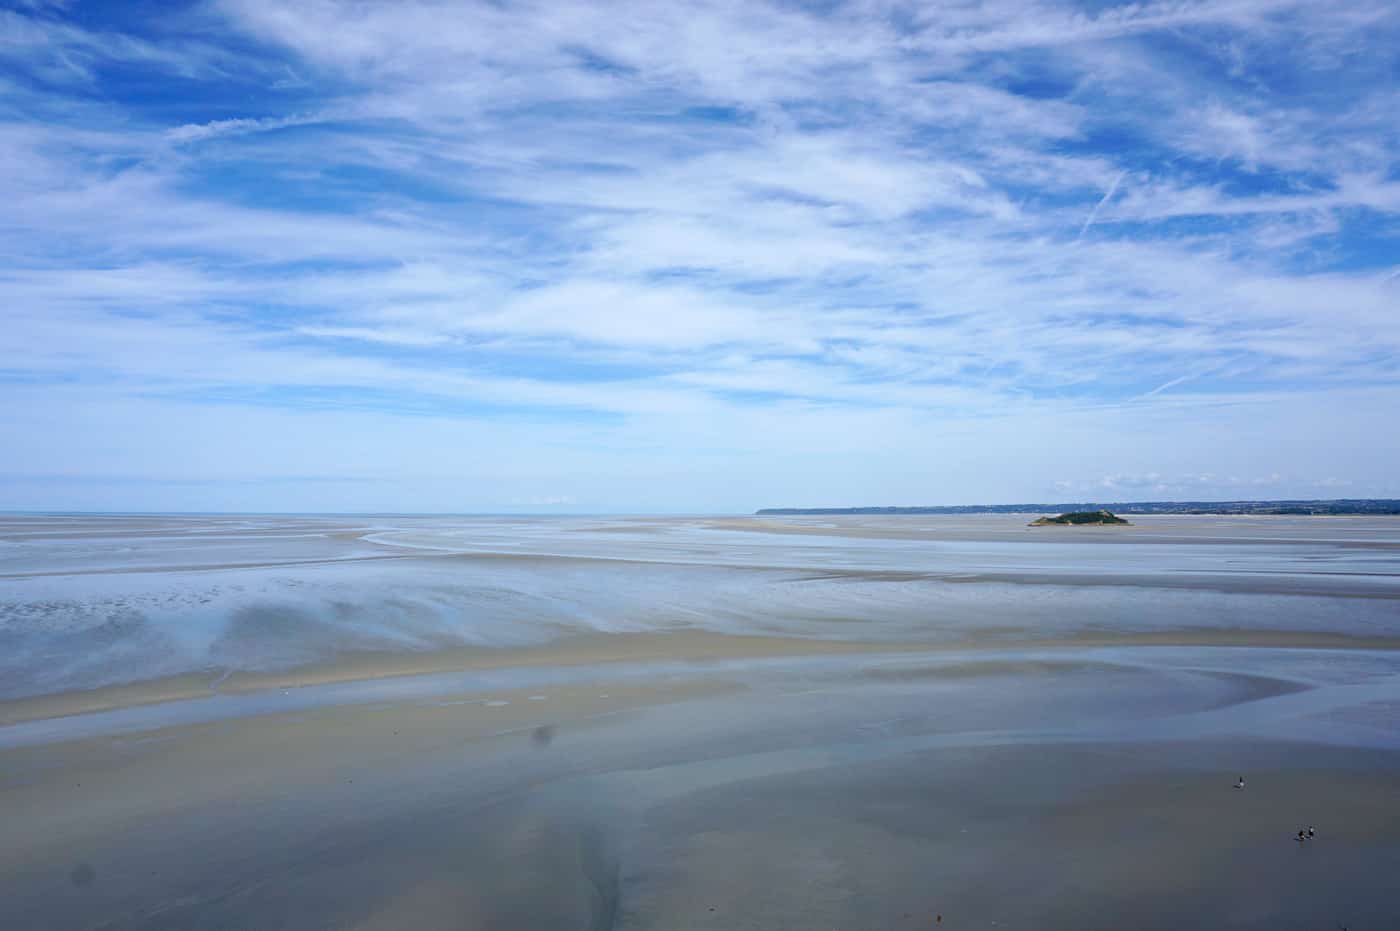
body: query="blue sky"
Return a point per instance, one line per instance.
(710, 256)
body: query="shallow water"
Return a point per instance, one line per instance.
(90, 601)
(1000, 742)
(1056, 789)
(1342, 697)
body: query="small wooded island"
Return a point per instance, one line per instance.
(1080, 517)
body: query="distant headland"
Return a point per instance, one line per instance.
(1340, 506)
(1076, 518)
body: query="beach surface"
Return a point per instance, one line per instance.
(705, 722)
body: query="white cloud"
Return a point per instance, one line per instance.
(808, 228)
(198, 132)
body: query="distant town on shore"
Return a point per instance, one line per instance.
(1340, 506)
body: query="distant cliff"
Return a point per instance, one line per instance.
(1333, 507)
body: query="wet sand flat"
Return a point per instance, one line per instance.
(620, 650)
(506, 723)
(1055, 791)
(91, 606)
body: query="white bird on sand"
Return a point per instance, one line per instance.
(1240, 784)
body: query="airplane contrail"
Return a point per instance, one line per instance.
(1171, 384)
(1094, 214)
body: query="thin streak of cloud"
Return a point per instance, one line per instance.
(1094, 213)
(1180, 379)
(199, 132)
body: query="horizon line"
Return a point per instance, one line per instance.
(1029, 506)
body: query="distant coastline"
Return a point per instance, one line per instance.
(1334, 507)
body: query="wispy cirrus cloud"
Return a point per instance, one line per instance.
(609, 241)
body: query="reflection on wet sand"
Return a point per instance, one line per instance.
(677, 723)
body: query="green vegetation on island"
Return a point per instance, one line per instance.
(1079, 517)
